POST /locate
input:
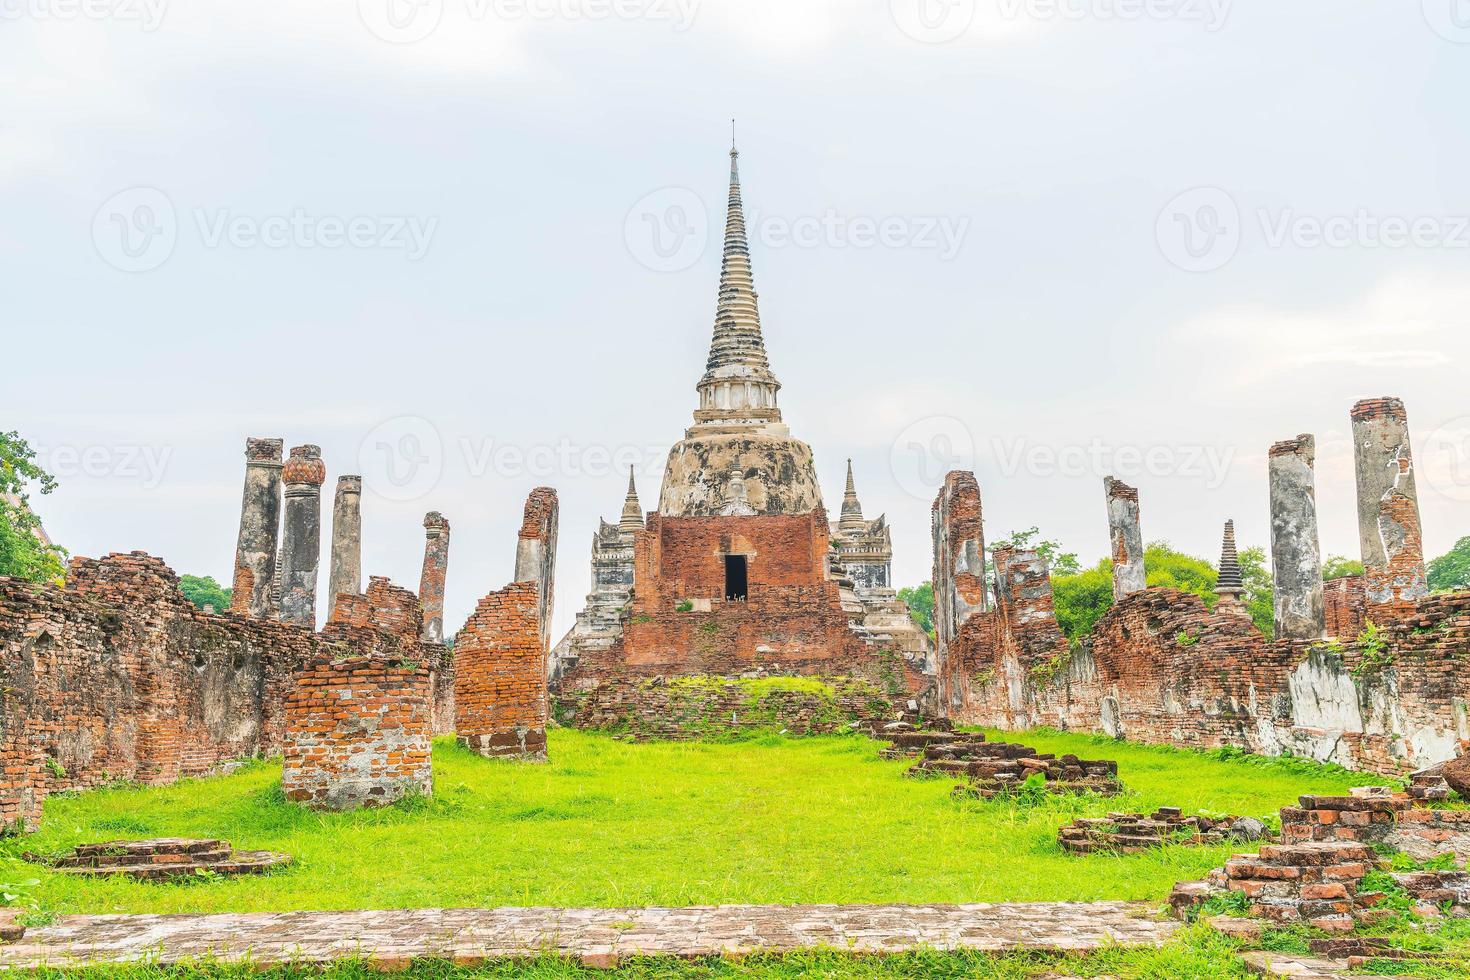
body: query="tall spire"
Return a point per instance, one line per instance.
(738, 387)
(632, 518)
(1231, 584)
(852, 511)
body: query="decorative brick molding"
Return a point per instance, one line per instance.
(358, 732)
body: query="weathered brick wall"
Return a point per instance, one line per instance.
(119, 677)
(1346, 604)
(358, 731)
(680, 624)
(959, 582)
(500, 699)
(1162, 668)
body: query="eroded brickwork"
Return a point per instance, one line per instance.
(1346, 604)
(501, 706)
(959, 581)
(358, 731)
(1388, 509)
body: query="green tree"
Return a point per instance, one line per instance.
(1260, 589)
(1451, 572)
(1082, 597)
(1061, 562)
(920, 601)
(205, 591)
(24, 553)
(1338, 566)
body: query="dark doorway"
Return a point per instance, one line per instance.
(736, 581)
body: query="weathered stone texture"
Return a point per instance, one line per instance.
(1126, 535)
(358, 732)
(431, 581)
(346, 570)
(959, 580)
(1346, 606)
(1388, 508)
(536, 552)
(301, 547)
(260, 517)
(1296, 551)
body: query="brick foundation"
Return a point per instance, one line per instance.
(358, 732)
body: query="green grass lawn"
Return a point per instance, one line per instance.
(612, 823)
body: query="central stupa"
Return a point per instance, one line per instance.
(738, 458)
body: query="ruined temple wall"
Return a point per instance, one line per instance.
(958, 537)
(1346, 603)
(1161, 668)
(501, 703)
(120, 677)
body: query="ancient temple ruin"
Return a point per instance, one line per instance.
(738, 571)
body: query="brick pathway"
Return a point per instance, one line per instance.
(596, 936)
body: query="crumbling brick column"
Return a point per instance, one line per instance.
(1344, 603)
(500, 701)
(536, 549)
(1023, 587)
(1388, 508)
(358, 732)
(260, 517)
(1127, 538)
(346, 571)
(1296, 549)
(302, 535)
(959, 575)
(431, 582)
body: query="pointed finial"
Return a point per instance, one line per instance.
(632, 516)
(1231, 584)
(733, 151)
(852, 510)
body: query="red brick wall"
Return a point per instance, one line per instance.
(120, 677)
(959, 583)
(500, 698)
(358, 732)
(1345, 602)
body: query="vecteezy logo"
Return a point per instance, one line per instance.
(1450, 19)
(667, 231)
(401, 21)
(1444, 459)
(1199, 231)
(932, 21)
(135, 230)
(402, 459)
(924, 452)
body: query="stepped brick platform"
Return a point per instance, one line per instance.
(165, 857)
(1316, 882)
(1130, 833)
(992, 768)
(597, 937)
(912, 744)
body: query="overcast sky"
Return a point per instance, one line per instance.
(471, 246)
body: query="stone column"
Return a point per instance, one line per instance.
(1388, 508)
(346, 572)
(431, 582)
(1296, 549)
(301, 547)
(536, 551)
(260, 518)
(1127, 538)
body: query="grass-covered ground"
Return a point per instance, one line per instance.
(612, 823)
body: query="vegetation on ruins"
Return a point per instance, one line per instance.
(608, 822)
(1060, 562)
(1451, 572)
(205, 591)
(920, 600)
(24, 551)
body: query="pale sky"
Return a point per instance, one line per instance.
(471, 246)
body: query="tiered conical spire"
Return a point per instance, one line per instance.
(632, 517)
(738, 385)
(1231, 583)
(852, 510)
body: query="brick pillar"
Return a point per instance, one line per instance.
(1296, 549)
(260, 518)
(536, 550)
(431, 582)
(301, 547)
(959, 575)
(1023, 587)
(1388, 508)
(1345, 606)
(1127, 538)
(346, 571)
(358, 732)
(500, 700)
